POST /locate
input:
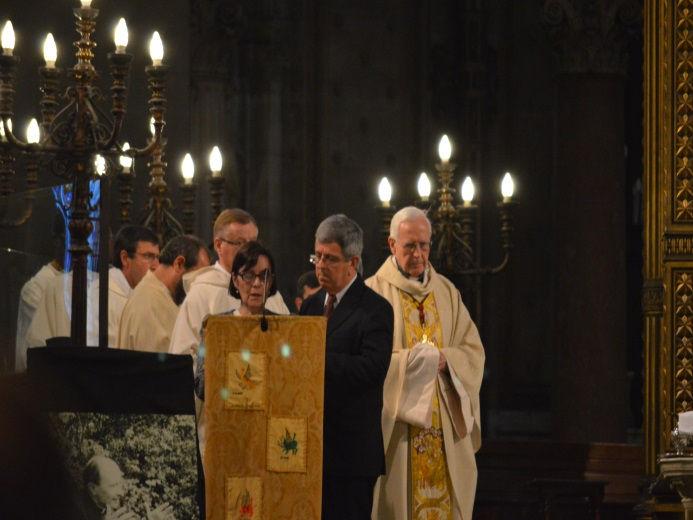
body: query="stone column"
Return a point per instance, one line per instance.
(588, 218)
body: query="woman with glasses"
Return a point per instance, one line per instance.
(252, 279)
(252, 282)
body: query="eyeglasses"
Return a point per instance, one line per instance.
(411, 247)
(250, 277)
(236, 243)
(149, 257)
(326, 259)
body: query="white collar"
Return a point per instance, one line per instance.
(220, 267)
(340, 294)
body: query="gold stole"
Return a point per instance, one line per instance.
(430, 481)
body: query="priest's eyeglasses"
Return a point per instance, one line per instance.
(235, 243)
(410, 247)
(326, 259)
(250, 277)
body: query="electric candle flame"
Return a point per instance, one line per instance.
(125, 160)
(33, 134)
(2, 128)
(187, 167)
(7, 38)
(152, 129)
(444, 149)
(385, 192)
(156, 49)
(50, 51)
(121, 36)
(468, 191)
(100, 164)
(215, 162)
(424, 186)
(507, 187)
(86, 3)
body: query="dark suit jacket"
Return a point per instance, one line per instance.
(358, 351)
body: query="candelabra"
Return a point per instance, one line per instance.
(74, 134)
(188, 193)
(454, 226)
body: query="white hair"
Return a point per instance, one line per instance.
(408, 214)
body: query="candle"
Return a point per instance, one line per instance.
(507, 187)
(7, 38)
(50, 51)
(156, 49)
(120, 36)
(385, 192)
(215, 162)
(187, 167)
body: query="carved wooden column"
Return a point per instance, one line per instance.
(588, 330)
(668, 220)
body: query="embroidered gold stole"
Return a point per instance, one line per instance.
(430, 482)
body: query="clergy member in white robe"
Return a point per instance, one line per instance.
(431, 414)
(30, 297)
(150, 314)
(207, 290)
(137, 252)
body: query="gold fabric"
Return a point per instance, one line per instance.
(430, 484)
(245, 443)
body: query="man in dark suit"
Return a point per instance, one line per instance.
(359, 346)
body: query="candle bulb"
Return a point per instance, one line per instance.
(156, 49)
(215, 162)
(507, 187)
(86, 4)
(152, 129)
(121, 36)
(125, 160)
(385, 192)
(7, 38)
(50, 51)
(2, 129)
(33, 134)
(187, 167)
(467, 192)
(444, 149)
(424, 187)
(99, 164)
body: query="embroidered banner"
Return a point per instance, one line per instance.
(264, 412)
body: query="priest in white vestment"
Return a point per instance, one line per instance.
(431, 413)
(150, 313)
(207, 290)
(31, 295)
(136, 252)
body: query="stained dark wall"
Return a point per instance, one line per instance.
(312, 102)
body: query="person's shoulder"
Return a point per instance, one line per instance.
(314, 303)
(375, 299)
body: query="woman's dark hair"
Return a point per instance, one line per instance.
(246, 258)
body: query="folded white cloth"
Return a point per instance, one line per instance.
(686, 422)
(415, 404)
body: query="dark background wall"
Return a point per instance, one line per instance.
(312, 102)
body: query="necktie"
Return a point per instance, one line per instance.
(329, 306)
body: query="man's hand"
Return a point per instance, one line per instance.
(163, 512)
(442, 362)
(120, 514)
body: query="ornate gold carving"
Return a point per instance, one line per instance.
(683, 45)
(653, 297)
(678, 245)
(683, 339)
